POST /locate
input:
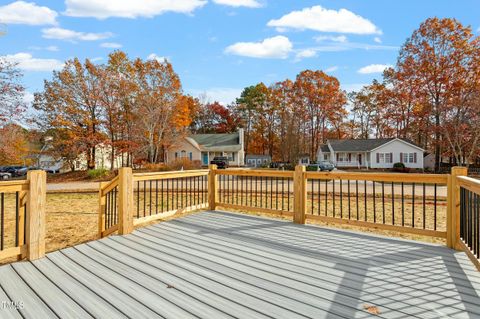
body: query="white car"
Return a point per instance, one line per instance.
(5, 175)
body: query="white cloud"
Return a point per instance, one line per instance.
(160, 59)
(377, 39)
(306, 53)
(277, 47)
(96, 59)
(331, 69)
(51, 48)
(21, 12)
(239, 3)
(340, 38)
(128, 8)
(374, 68)
(318, 18)
(111, 45)
(224, 96)
(27, 62)
(70, 35)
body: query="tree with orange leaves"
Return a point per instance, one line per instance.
(70, 102)
(320, 98)
(438, 59)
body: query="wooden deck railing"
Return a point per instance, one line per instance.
(136, 199)
(22, 217)
(444, 206)
(467, 211)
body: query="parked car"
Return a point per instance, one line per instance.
(220, 161)
(17, 171)
(5, 175)
(321, 166)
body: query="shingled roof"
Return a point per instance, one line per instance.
(358, 145)
(218, 142)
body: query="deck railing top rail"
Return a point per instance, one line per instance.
(169, 174)
(381, 177)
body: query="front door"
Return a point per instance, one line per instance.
(205, 158)
(360, 159)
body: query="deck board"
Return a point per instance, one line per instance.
(225, 265)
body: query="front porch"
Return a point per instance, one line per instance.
(222, 265)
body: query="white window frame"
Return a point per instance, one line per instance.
(385, 158)
(408, 158)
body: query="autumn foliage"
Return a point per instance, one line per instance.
(136, 108)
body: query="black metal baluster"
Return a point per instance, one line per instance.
(168, 192)
(2, 219)
(356, 195)
(413, 205)
(156, 196)
(237, 190)
(403, 207)
(256, 191)
(283, 193)
(365, 199)
(349, 205)
(251, 191)
(107, 200)
(17, 217)
(162, 196)
(276, 193)
(138, 199)
(393, 204)
(288, 197)
(150, 192)
(261, 191)
(423, 200)
(435, 207)
(271, 192)
(462, 212)
(334, 208)
(341, 198)
(383, 202)
(326, 197)
(144, 197)
(311, 188)
(319, 196)
(374, 203)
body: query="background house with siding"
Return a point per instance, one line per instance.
(371, 153)
(204, 147)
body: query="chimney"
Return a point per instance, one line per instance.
(241, 138)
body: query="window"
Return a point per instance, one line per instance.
(304, 160)
(342, 157)
(408, 157)
(325, 157)
(183, 154)
(384, 158)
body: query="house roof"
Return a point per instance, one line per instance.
(324, 148)
(361, 145)
(218, 142)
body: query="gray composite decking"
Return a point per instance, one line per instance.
(224, 265)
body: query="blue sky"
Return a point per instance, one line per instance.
(221, 46)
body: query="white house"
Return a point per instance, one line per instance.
(204, 147)
(257, 160)
(371, 153)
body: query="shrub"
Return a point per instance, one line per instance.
(399, 165)
(312, 168)
(97, 173)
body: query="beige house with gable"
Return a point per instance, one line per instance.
(204, 147)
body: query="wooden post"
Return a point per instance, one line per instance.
(299, 194)
(453, 207)
(125, 201)
(212, 186)
(101, 210)
(36, 201)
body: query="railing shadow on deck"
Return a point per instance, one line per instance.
(389, 261)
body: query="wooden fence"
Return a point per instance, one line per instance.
(22, 217)
(132, 200)
(437, 205)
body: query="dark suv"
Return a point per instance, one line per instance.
(220, 161)
(16, 171)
